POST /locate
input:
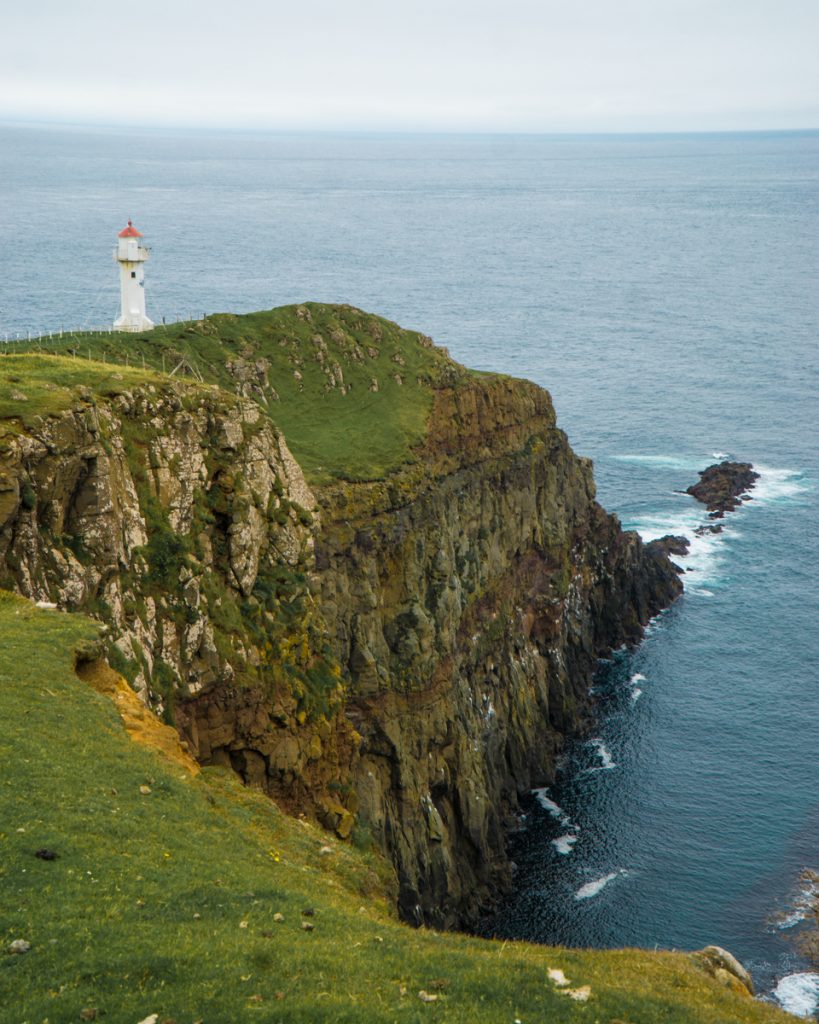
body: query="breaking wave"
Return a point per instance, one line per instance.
(590, 889)
(798, 994)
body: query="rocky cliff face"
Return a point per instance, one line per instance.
(469, 605)
(406, 655)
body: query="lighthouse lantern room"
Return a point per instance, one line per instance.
(131, 256)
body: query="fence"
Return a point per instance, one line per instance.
(9, 337)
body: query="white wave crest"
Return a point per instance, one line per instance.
(798, 993)
(556, 811)
(705, 552)
(605, 757)
(703, 560)
(638, 677)
(541, 795)
(776, 485)
(565, 844)
(636, 693)
(585, 892)
(683, 462)
(803, 903)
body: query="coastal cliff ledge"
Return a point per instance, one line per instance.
(372, 582)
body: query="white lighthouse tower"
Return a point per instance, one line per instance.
(131, 256)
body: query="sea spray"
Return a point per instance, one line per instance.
(590, 889)
(798, 994)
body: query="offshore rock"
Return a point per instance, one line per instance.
(721, 486)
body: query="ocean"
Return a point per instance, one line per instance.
(664, 289)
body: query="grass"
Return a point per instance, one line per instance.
(336, 425)
(164, 901)
(34, 385)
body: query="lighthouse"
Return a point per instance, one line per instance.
(131, 256)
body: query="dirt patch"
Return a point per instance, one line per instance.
(140, 722)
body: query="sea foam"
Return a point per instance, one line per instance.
(585, 892)
(778, 484)
(689, 463)
(706, 550)
(605, 757)
(565, 844)
(798, 994)
(547, 803)
(802, 904)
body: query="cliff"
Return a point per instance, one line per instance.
(134, 888)
(391, 629)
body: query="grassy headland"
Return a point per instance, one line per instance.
(350, 391)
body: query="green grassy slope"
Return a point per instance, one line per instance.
(163, 902)
(35, 385)
(336, 426)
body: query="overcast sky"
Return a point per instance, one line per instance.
(518, 65)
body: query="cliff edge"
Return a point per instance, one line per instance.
(373, 583)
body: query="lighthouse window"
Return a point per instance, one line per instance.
(133, 273)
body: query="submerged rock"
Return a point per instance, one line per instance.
(723, 486)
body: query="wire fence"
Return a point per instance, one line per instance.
(10, 337)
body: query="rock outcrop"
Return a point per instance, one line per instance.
(722, 486)
(725, 968)
(404, 655)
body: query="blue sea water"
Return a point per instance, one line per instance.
(664, 289)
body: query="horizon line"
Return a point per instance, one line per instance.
(7, 121)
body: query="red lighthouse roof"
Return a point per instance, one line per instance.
(130, 232)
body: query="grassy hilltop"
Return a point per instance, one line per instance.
(351, 391)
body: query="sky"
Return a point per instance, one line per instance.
(439, 65)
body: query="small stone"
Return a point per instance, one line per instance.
(557, 976)
(427, 997)
(19, 946)
(89, 1013)
(325, 850)
(243, 924)
(46, 854)
(308, 912)
(255, 999)
(154, 1017)
(145, 790)
(580, 995)
(307, 927)
(197, 917)
(278, 918)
